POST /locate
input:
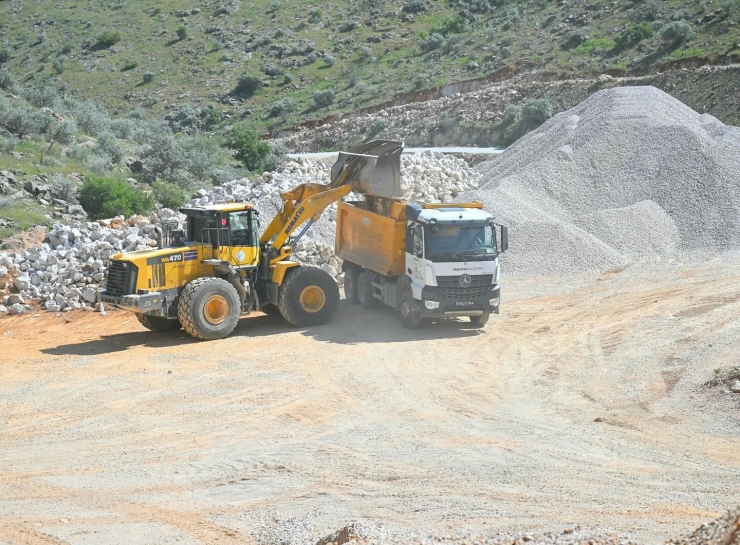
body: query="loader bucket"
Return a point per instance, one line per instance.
(373, 168)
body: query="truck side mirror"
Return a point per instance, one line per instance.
(504, 238)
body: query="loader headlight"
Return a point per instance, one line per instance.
(431, 305)
(495, 302)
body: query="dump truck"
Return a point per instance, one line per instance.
(204, 277)
(423, 260)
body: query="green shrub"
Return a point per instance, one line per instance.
(129, 65)
(181, 32)
(107, 39)
(322, 99)
(6, 80)
(247, 85)
(589, 46)
(283, 106)
(248, 148)
(4, 55)
(676, 32)
(574, 38)
(434, 41)
(512, 113)
(314, 16)
(414, 6)
(168, 195)
(635, 34)
(58, 65)
(536, 111)
(106, 197)
(330, 60)
(63, 188)
(66, 48)
(149, 77)
(455, 25)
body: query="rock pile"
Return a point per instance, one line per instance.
(629, 172)
(69, 267)
(66, 271)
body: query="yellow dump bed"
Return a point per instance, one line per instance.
(372, 240)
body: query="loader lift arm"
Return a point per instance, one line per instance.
(372, 168)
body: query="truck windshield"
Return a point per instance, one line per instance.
(464, 243)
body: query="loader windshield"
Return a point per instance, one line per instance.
(452, 243)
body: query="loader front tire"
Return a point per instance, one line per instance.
(209, 308)
(350, 285)
(159, 324)
(308, 296)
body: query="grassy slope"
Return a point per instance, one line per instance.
(196, 71)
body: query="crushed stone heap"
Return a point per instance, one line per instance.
(631, 167)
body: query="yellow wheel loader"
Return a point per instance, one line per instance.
(204, 277)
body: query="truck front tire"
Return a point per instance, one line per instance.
(209, 308)
(350, 285)
(408, 311)
(159, 324)
(365, 291)
(308, 296)
(480, 320)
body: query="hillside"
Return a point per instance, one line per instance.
(182, 59)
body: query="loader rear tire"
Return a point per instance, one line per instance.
(308, 296)
(350, 285)
(209, 308)
(365, 291)
(160, 324)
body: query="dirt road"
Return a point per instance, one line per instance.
(580, 404)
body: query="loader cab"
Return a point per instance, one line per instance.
(226, 233)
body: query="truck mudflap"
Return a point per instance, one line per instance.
(460, 303)
(136, 303)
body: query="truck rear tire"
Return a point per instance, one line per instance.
(209, 308)
(365, 291)
(409, 313)
(480, 320)
(350, 285)
(308, 296)
(160, 324)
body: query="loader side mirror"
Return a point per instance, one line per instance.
(504, 238)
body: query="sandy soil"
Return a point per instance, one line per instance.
(580, 404)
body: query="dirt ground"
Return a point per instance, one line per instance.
(582, 403)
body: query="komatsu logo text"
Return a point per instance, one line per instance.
(298, 214)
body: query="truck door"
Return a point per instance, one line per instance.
(415, 261)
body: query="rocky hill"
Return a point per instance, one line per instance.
(277, 63)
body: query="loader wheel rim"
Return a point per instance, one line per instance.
(312, 299)
(216, 309)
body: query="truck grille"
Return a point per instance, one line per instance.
(476, 281)
(449, 286)
(463, 293)
(117, 273)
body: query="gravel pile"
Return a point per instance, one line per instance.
(631, 169)
(66, 271)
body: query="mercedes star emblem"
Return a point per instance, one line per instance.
(465, 280)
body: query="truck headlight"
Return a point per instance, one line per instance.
(496, 301)
(431, 305)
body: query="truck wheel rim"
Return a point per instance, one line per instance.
(216, 309)
(405, 309)
(312, 299)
